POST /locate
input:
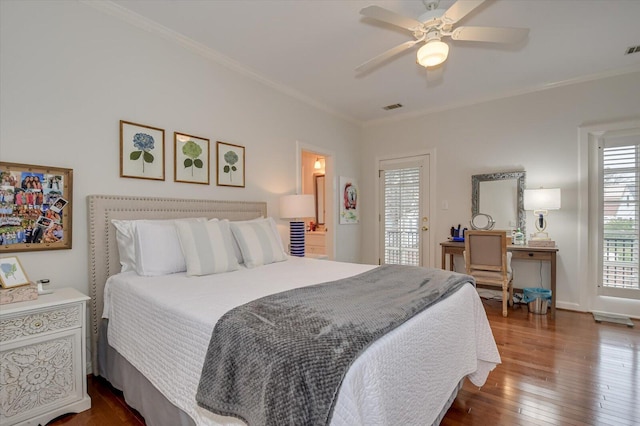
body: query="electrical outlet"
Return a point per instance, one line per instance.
(445, 205)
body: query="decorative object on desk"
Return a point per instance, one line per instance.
(230, 164)
(35, 211)
(349, 213)
(297, 207)
(518, 238)
(18, 294)
(457, 234)
(191, 154)
(141, 151)
(541, 201)
(542, 243)
(482, 221)
(11, 273)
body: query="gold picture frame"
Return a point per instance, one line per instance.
(11, 273)
(191, 159)
(36, 203)
(141, 151)
(230, 160)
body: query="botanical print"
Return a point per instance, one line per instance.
(191, 159)
(11, 273)
(33, 207)
(349, 213)
(141, 151)
(144, 143)
(230, 164)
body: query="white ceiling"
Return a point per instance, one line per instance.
(309, 48)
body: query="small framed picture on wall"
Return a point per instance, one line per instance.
(230, 165)
(141, 151)
(191, 155)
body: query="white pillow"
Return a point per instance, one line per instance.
(157, 247)
(274, 228)
(126, 245)
(125, 238)
(259, 244)
(207, 247)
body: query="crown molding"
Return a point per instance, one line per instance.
(137, 20)
(509, 94)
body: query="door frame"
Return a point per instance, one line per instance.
(331, 216)
(431, 187)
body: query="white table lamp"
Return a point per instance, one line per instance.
(297, 207)
(540, 201)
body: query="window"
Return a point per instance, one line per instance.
(401, 216)
(619, 161)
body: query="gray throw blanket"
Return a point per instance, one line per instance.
(280, 360)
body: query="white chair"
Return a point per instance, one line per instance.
(487, 260)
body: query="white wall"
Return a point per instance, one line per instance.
(536, 132)
(69, 73)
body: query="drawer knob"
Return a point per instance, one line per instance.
(530, 254)
(37, 324)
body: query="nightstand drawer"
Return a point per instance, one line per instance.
(40, 322)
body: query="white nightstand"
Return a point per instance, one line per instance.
(43, 358)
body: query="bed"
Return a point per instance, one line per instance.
(402, 378)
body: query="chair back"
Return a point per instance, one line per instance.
(486, 251)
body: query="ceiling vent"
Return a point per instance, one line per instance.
(632, 49)
(390, 107)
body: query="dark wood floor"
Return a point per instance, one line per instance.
(568, 371)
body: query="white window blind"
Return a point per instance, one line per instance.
(620, 230)
(401, 216)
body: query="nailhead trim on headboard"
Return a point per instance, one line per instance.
(103, 252)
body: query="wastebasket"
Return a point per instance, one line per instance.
(537, 299)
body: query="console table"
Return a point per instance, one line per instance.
(548, 254)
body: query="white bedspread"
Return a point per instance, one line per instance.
(162, 326)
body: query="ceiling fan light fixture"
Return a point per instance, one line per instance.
(433, 53)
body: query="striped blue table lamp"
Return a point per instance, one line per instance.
(297, 207)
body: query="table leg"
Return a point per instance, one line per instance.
(553, 285)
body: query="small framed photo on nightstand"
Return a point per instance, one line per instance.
(11, 273)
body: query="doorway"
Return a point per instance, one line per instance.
(404, 211)
(316, 177)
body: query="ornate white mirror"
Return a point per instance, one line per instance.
(500, 196)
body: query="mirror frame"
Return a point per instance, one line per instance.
(520, 184)
(315, 179)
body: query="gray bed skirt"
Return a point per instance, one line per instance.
(141, 395)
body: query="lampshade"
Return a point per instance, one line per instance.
(542, 199)
(317, 165)
(433, 53)
(297, 206)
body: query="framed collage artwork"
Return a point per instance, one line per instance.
(35, 207)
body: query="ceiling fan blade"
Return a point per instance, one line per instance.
(490, 34)
(372, 63)
(459, 10)
(385, 15)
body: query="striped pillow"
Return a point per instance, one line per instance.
(207, 247)
(258, 243)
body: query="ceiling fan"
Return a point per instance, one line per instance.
(432, 26)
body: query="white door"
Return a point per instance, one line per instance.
(404, 211)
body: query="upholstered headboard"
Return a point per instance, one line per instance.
(104, 260)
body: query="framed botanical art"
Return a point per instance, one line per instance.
(141, 151)
(35, 207)
(230, 165)
(11, 273)
(349, 213)
(191, 154)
